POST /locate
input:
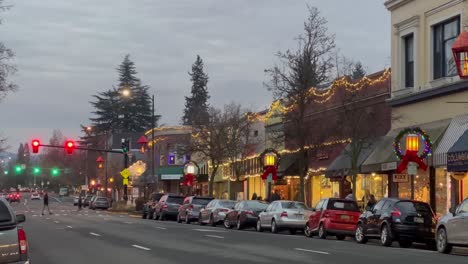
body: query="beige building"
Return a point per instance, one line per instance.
(425, 86)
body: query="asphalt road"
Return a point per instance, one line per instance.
(88, 236)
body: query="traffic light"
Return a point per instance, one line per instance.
(35, 145)
(18, 169)
(100, 162)
(69, 146)
(125, 145)
(5, 172)
(36, 170)
(55, 172)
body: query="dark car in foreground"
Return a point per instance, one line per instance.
(13, 243)
(336, 217)
(452, 229)
(215, 211)
(245, 214)
(391, 219)
(190, 209)
(168, 207)
(148, 207)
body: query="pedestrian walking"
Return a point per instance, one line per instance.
(46, 203)
(254, 196)
(372, 201)
(275, 196)
(80, 202)
(350, 196)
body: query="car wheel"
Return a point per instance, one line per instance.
(187, 218)
(178, 219)
(442, 241)
(405, 243)
(274, 227)
(360, 236)
(259, 226)
(226, 223)
(322, 233)
(340, 237)
(200, 220)
(385, 238)
(307, 231)
(212, 222)
(239, 224)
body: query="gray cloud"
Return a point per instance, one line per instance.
(68, 50)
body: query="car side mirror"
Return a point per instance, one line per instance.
(453, 210)
(20, 218)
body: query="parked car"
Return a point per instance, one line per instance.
(215, 211)
(14, 197)
(99, 203)
(13, 242)
(391, 219)
(75, 200)
(35, 196)
(87, 200)
(190, 209)
(283, 214)
(167, 207)
(336, 217)
(91, 201)
(245, 214)
(148, 207)
(452, 229)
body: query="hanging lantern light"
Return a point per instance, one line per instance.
(269, 159)
(460, 54)
(143, 142)
(412, 143)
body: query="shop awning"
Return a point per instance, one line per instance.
(457, 156)
(341, 166)
(288, 165)
(455, 130)
(383, 157)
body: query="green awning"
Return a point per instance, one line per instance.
(172, 170)
(383, 157)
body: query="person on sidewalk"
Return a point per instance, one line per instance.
(350, 196)
(80, 202)
(46, 203)
(275, 196)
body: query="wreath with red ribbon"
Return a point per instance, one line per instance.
(412, 156)
(270, 169)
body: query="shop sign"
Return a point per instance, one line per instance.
(400, 178)
(389, 166)
(170, 176)
(457, 161)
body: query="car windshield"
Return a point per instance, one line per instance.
(201, 201)
(343, 205)
(227, 204)
(410, 207)
(256, 205)
(102, 199)
(175, 199)
(293, 205)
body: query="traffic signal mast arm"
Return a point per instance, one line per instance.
(81, 148)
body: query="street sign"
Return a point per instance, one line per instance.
(412, 168)
(125, 173)
(84, 187)
(400, 178)
(125, 181)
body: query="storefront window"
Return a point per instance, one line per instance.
(421, 187)
(256, 185)
(367, 184)
(441, 192)
(322, 187)
(464, 183)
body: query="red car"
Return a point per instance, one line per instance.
(14, 197)
(336, 217)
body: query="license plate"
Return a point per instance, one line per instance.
(344, 217)
(419, 220)
(299, 216)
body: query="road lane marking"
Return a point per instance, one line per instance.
(312, 251)
(162, 228)
(57, 222)
(209, 230)
(128, 223)
(214, 236)
(94, 234)
(34, 215)
(140, 247)
(69, 226)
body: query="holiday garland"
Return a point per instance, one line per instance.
(425, 137)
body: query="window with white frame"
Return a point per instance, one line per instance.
(408, 41)
(444, 34)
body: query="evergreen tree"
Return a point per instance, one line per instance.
(358, 71)
(196, 105)
(20, 155)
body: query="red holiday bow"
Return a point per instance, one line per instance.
(413, 157)
(268, 170)
(189, 178)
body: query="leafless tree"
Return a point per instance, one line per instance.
(309, 65)
(6, 68)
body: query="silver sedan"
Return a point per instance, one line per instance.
(452, 229)
(283, 214)
(215, 211)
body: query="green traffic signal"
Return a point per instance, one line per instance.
(36, 170)
(55, 172)
(5, 172)
(18, 169)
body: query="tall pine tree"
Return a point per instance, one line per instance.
(115, 112)
(196, 105)
(358, 71)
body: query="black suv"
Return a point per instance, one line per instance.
(148, 207)
(167, 207)
(391, 219)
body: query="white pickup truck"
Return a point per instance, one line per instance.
(13, 243)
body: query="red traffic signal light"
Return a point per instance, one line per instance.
(69, 146)
(35, 145)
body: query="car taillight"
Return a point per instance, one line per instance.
(396, 212)
(17, 196)
(224, 210)
(165, 206)
(191, 206)
(23, 244)
(249, 212)
(284, 214)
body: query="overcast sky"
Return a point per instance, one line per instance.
(67, 50)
